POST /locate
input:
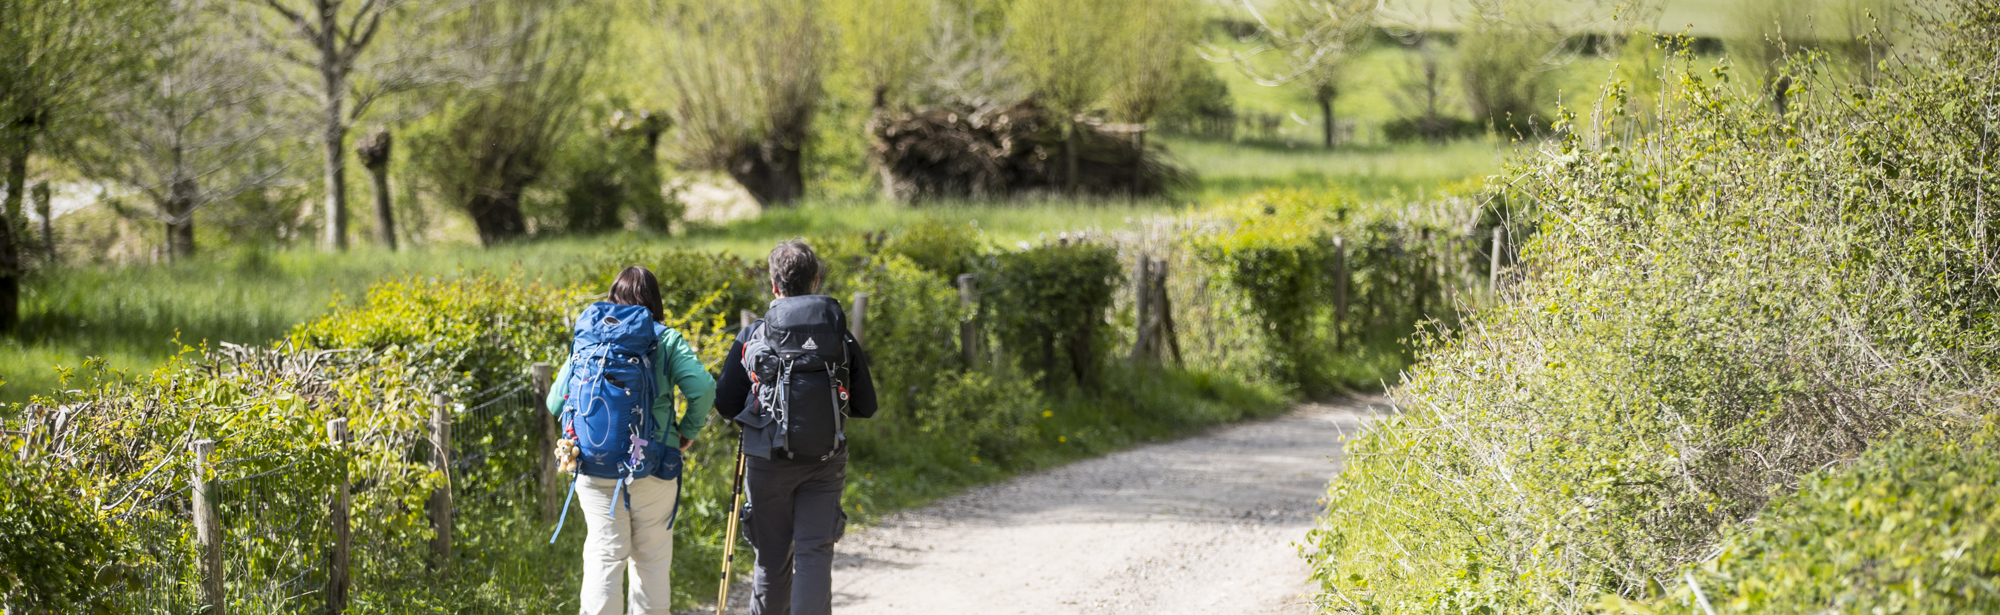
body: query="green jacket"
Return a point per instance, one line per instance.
(677, 367)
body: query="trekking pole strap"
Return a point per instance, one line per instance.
(565, 511)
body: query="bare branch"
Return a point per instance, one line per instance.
(296, 18)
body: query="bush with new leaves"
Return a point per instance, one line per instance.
(1707, 315)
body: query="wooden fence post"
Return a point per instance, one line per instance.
(1163, 310)
(744, 318)
(440, 504)
(207, 531)
(1493, 266)
(1142, 303)
(1339, 293)
(857, 318)
(968, 331)
(343, 539)
(544, 376)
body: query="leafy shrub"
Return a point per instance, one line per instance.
(479, 329)
(1913, 526)
(686, 277)
(608, 179)
(55, 552)
(912, 335)
(1286, 250)
(935, 246)
(1441, 128)
(1706, 316)
(1047, 309)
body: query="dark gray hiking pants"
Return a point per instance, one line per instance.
(794, 520)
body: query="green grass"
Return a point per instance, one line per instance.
(1699, 17)
(131, 315)
(1391, 172)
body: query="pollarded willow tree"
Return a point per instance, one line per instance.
(1316, 39)
(881, 42)
(1153, 52)
(744, 78)
(1062, 48)
(526, 61)
(193, 127)
(54, 55)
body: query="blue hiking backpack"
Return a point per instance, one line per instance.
(609, 409)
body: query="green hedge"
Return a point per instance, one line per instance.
(1285, 252)
(1913, 526)
(1706, 316)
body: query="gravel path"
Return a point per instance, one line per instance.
(1201, 525)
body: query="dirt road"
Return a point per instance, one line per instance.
(1202, 525)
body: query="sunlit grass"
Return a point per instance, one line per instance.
(132, 315)
(1391, 172)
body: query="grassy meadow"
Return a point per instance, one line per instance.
(131, 315)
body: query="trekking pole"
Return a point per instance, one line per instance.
(729, 536)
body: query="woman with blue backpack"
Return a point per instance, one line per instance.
(614, 399)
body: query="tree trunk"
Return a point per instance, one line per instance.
(1070, 172)
(10, 263)
(334, 79)
(497, 214)
(1325, 95)
(374, 151)
(46, 211)
(1780, 88)
(336, 181)
(875, 153)
(180, 219)
(771, 172)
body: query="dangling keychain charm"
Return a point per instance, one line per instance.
(566, 455)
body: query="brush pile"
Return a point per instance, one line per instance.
(960, 151)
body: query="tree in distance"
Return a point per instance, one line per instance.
(1060, 48)
(1317, 39)
(744, 79)
(334, 43)
(526, 62)
(880, 44)
(1154, 56)
(54, 55)
(190, 129)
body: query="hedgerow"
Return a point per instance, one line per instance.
(1912, 526)
(1330, 280)
(1050, 380)
(1705, 316)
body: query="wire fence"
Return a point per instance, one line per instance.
(277, 534)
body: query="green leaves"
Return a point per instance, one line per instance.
(1049, 308)
(1708, 314)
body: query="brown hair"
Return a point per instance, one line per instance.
(794, 268)
(637, 286)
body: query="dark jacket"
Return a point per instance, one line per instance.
(732, 391)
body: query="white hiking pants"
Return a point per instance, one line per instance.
(635, 541)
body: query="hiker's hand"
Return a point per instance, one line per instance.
(685, 443)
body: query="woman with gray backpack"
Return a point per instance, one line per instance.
(614, 398)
